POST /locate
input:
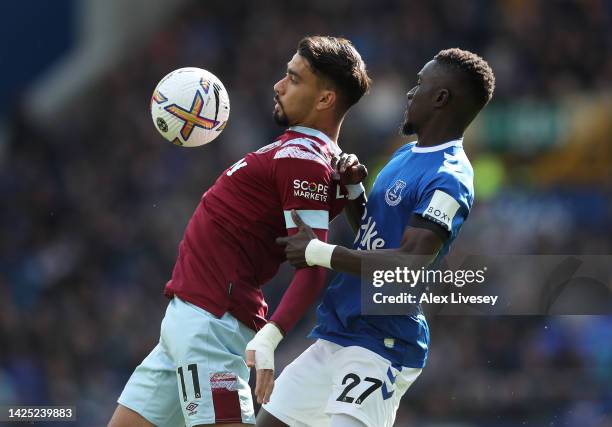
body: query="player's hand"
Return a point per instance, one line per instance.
(264, 378)
(351, 171)
(295, 246)
(260, 355)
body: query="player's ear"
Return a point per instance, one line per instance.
(442, 97)
(327, 99)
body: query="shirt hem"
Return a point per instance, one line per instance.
(347, 342)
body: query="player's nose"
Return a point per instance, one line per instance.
(278, 86)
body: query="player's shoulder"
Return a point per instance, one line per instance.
(403, 150)
(305, 144)
(451, 175)
(447, 161)
(455, 165)
(452, 172)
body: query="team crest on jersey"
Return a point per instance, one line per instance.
(393, 195)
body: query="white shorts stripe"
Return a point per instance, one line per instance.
(314, 218)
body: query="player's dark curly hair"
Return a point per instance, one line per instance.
(338, 60)
(477, 70)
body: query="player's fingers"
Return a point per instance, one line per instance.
(342, 167)
(362, 170)
(269, 389)
(296, 219)
(334, 161)
(282, 240)
(358, 172)
(340, 161)
(250, 358)
(258, 384)
(260, 379)
(348, 162)
(267, 384)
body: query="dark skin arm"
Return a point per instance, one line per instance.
(354, 211)
(415, 241)
(352, 172)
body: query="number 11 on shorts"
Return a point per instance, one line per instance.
(193, 368)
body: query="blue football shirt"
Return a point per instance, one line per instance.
(433, 182)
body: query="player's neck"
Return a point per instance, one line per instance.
(437, 134)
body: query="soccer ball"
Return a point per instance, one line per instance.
(190, 107)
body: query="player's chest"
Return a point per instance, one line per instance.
(395, 187)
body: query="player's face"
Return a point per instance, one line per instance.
(295, 95)
(419, 107)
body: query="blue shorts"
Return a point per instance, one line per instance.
(196, 374)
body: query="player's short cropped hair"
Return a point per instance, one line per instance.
(337, 59)
(477, 70)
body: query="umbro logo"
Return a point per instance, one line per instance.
(191, 408)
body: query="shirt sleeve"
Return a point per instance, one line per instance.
(303, 180)
(304, 185)
(301, 294)
(444, 200)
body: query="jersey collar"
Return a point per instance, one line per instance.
(313, 132)
(453, 143)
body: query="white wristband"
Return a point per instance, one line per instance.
(355, 190)
(319, 253)
(264, 343)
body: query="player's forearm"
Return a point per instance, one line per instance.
(354, 211)
(302, 292)
(350, 261)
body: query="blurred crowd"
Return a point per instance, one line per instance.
(95, 205)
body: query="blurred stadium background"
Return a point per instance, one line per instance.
(95, 202)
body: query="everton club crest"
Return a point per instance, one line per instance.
(393, 196)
